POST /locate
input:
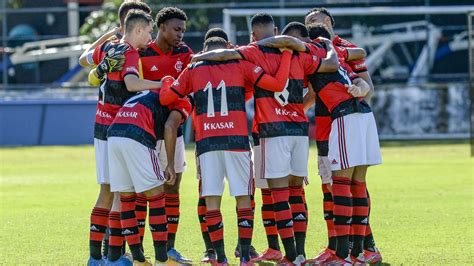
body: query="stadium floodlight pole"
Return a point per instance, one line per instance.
(471, 76)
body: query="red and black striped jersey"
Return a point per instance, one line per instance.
(358, 66)
(281, 113)
(219, 90)
(156, 64)
(142, 118)
(112, 92)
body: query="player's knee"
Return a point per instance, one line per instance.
(243, 201)
(295, 181)
(155, 191)
(173, 189)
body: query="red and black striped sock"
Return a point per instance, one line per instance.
(245, 225)
(342, 212)
(215, 226)
(158, 224)
(360, 216)
(300, 214)
(172, 212)
(328, 217)
(130, 226)
(99, 220)
(369, 242)
(116, 238)
(140, 212)
(268, 217)
(284, 221)
(202, 221)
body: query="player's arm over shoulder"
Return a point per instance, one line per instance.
(217, 55)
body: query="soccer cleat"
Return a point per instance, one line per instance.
(159, 263)
(359, 260)
(224, 263)
(93, 262)
(174, 255)
(122, 261)
(209, 256)
(252, 252)
(285, 262)
(139, 263)
(372, 257)
(269, 255)
(322, 257)
(246, 263)
(300, 260)
(335, 260)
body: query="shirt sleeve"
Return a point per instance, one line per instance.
(358, 66)
(249, 53)
(131, 63)
(182, 105)
(252, 73)
(310, 62)
(181, 86)
(97, 55)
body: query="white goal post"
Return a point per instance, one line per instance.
(346, 11)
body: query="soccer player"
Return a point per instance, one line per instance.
(282, 127)
(352, 146)
(135, 168)
(322, 15)
(167, 55)
(222, 143)
(114, 91)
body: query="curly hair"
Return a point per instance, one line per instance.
(168, 13)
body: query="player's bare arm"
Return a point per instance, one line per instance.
(135, 84)
(217, 55)
(283, 41)
(359, 88)
(309, 98)
(85, 60)
(355, 53)
(170, 135)
(331, 62)
(366, 77)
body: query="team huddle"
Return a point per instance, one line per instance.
(148, 89)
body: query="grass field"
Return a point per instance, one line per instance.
(422, 206)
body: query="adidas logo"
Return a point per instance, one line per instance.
(334, 161)
(300, 217)
(141, 223)
(93, 228)
(326, 215)
(349, 221)
(153, 68)
(289, 224)
(221, 224)
(127, 232)
(365, 221)
(245, 223)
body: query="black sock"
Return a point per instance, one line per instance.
(160, 252)
(273, 242)
(95, 251)
(342, 248)
(114, 253)
(290, 249)
(220, 252)
(124, 247)
(137, 253)
(300, 239)
(332, 241)
(369, 243)
(207, 240)
(105, 243)
(171, 239)
(357, 245)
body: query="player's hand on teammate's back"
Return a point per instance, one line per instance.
(285, 49)
(113, 61)
(170, 174)
(356, 91)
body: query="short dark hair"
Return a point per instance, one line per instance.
(215, 43)
(136, 16)
(168, 13)
(321, 10)
(261, 18)
(297, 26)
(131, 5)
(318, 30)
(216, 32)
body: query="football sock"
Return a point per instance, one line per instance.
(342, 212)
(158, 224)
(99, 220)
(116, 238)
(105, 243)
(172, 212)
(202, 222)
(299, 213)
(130, 226)
(268, 217)
(245, 225)
(284, 221)
(359, 216)
(369, 242)
(215, 226)
(140, 212)
(328, 217)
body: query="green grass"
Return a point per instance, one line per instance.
(422, 206)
